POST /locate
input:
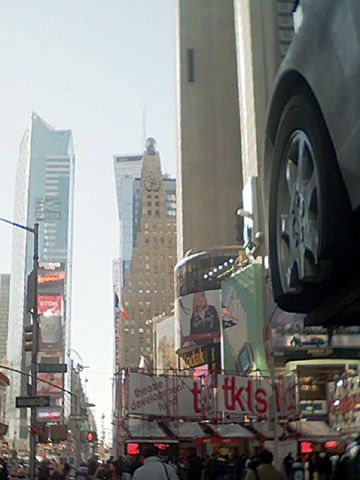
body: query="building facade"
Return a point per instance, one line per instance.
(143, 276)
(4, 314)
(209, 177)
(44, 195)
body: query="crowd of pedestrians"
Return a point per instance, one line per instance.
(153, 466)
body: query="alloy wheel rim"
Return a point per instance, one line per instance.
(298, 214)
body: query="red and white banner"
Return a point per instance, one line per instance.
(162, 396)
(185, 396)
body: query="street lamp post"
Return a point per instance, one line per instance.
(35, 332)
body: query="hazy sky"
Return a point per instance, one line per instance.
(91, 66)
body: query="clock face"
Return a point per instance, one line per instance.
(152, 182)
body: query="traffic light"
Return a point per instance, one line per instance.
(28, 338)
(91, 436)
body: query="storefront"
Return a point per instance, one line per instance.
(228, 439)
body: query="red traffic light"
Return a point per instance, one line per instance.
(91, 437)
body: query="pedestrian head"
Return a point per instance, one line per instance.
(150, 451)
(266, 457)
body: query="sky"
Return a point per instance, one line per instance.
(106, 70)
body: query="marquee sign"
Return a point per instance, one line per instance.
(188, 397)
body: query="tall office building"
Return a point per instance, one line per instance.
(209, 179)
(4, 313)
(143, 274)
(44, 195)
(264, 30)
(228, 53)
(127, 169)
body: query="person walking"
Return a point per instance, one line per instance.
(4, 474)
(153, 468)
(251, 469)
(287, 462)
(266, 471)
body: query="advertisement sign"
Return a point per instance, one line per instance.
(242, 321)
(51, 325)
(50, 333)
(165, 344)
(190, 397)
(48, 383)
(243, 395)
(198, 316)
(162, 396)
(48, 414)
(344, 404)
(207, 355)
(51, 278)
(290, 335)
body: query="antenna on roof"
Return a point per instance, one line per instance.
(143, 130)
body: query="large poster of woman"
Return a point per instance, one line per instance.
(199, 316)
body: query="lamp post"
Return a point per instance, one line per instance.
(35, 332)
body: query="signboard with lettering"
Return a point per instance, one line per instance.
(188, 397)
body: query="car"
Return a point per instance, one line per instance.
(311, 162)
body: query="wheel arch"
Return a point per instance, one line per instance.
(290, 81)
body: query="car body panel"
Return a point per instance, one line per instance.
(325, 55)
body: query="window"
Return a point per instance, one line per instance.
(190, 65)
(149, 212)
(157, 212)
(157, 204)
(149, 204)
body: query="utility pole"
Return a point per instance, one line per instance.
(34, 353)
(35, 334)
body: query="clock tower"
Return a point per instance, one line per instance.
(148, 289)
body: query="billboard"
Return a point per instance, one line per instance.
(51, 278)
(50, 384)
(165, 344)
(243, 347)
(192, 397)
(198, 316)
(51, 335)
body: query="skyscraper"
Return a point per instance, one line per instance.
(209, 179)
(143, 275)
(43, 194)
(4, 313)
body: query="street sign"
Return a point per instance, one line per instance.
(28, 402)
(52, 367)
(75, 417)
(85, 426)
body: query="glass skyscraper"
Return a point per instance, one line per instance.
(43, 194)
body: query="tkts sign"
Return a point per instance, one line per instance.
(250, 396)
(188, 397)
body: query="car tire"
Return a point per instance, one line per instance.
(311, 228)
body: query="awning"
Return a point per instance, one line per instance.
(4, 380)
(145, 429)
(264, 430)
(186, 430)
(232, 430)
(314, 431)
